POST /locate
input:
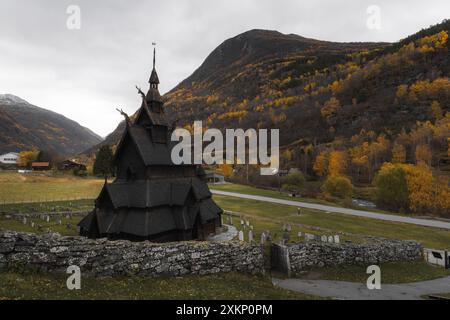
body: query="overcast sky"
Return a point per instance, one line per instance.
(86, 73)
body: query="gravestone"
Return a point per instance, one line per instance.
(32, 224)
(251, 227)
(248, 223)
(263, 238)
(48, 219)
(336, 239)
(299, 211)
(330, 239)
(309, 237)
(324, 238)
(299, 234)
(231, 219)
(250, 236)
(241, 235)
(289, 228)
(24, 220)
(60, 222)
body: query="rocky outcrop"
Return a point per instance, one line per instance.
(102, 257)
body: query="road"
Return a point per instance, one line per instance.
(352, 212)
(358, 291)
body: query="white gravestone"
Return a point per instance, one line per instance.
(309, 237)
(241, 235)
(248, 223)
(24, 220)
(330, 239)
(263, 238)
(48, 219)
(299, 234)
(324, 238)
(336, 239)
(250, 236)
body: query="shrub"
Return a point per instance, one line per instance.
(293, 182)
(338, 186)
(392, 188)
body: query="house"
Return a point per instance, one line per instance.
(67, 165)
(152, 198)
(9, 158)
(215, 178)
(40, 166)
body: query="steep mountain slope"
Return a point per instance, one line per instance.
(24, 126)
(313, 91)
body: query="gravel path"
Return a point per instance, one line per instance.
(357, 291)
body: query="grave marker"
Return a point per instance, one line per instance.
(250, 236)
(241, 235)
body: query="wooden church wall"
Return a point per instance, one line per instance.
(129, 158)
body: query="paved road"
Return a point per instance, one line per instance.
(356, 291)
(359, 213)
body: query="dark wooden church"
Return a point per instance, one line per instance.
(152, 198)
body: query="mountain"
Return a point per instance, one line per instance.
(24, 126)
(314, 91)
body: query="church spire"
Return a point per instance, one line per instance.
(154, 80)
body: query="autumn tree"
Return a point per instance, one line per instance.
(436, 110)
(226, 169)
(398, 153)
(321, 164)
(27, 157)
(337, 164)
(330, 108)
(423, 154)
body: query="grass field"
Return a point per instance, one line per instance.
(231, 286)
(268, 216)
(43, 187)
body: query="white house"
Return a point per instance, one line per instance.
(9, 158)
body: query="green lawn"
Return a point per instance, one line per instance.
(391, 273)
(44, 187)
(271, 216)
(231, 286)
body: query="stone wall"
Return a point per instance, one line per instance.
(110, 258)
(302, 256)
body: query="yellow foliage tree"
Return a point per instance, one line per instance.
(321, 164)
(330, 108)
(27, 157)
(436, 110)
(398, 153)
(226, 169)
(423, 154)
(337, 164)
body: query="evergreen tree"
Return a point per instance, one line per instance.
(103, 165)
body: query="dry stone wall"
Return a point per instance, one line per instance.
(302, 256)
(101, 257)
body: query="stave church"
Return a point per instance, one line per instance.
(151, 198)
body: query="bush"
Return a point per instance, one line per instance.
(294, 182)
(79, 173)
(392, 188)
(338, 186)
